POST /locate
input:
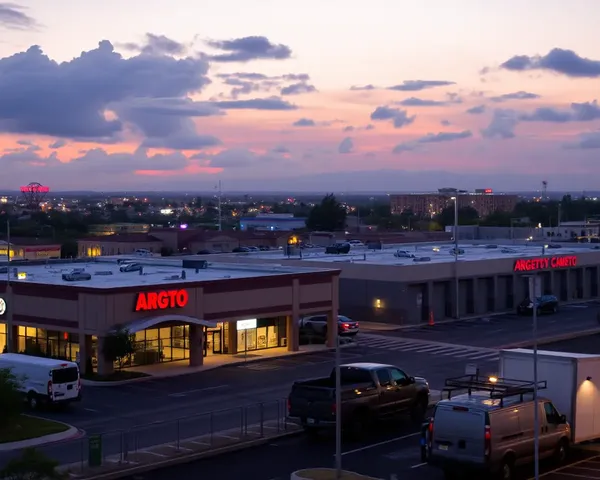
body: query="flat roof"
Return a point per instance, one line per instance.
(106, 273)
(439, 252)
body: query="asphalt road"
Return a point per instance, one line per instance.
(589, 344)
(390, 454)
(503, 330)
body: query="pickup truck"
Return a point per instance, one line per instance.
(370, 392)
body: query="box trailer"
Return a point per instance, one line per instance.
(573, 380)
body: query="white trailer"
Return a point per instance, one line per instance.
(44, 380)
(573, 381)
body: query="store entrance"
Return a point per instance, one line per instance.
(214, 340)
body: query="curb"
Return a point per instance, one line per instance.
(555, 338)
(93, 383)
(183, 459)
(69, 434)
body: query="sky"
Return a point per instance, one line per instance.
(316, 95)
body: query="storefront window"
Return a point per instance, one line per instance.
(268, 333)
(48, 343)
(2, 337)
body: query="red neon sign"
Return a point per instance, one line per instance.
(488, 190)
(543, 263)
(34, 189)
(148, 301)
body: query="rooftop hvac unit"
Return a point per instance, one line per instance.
(76, 276)
(201, 264)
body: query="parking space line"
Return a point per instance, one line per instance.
(375, 445)
(419, 465)
(566, 467)
(197, 390)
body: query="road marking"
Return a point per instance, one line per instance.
(374, 445)
(226, 436)
(90, 410)
(196, 442)
(566, 467)
(419, 465)
(197, 390)
(180, 448)
(153, 453)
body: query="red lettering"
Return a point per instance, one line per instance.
(147, 301)
(542, 263)
(182, 298)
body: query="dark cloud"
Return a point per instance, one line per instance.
(298, 88)
(445, 136)
(404, 147)
(281, 149)
(420, 102)
(579, 112)
(349, 128)
(478, 110)
(363, 87)
(249, 48)
(304, 122)
(558, 60)
(13, 16)
(400, 117)
(34, 88)
(587, 141)
(157, 45)
(521, 95)
(272, 103)
(445, 123)
(346, 145)
(58, 144)
(418, 85)
(502, 125)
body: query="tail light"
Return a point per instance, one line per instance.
(488, 440)
(356, 324)
(50, 388)
(430, 429)
(346, 326)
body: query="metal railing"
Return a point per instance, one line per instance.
(162, 439)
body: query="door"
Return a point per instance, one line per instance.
(216, 341)
(407, 390)
(551, 428)
(390, 396)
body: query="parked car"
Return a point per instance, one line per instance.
(543, 304)
(207, 252)
(356, 243)
(403, 254)
(315, 327)
(370, 392)
(240, 250)
(131, 267)
(490, 430)
(338, 248)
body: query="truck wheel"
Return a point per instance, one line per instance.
(418, 411)
(32, 401)
(562, 451)
(358, 424)
(507, 469)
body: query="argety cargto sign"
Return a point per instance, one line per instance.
(544, 263)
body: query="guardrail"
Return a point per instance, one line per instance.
(160, 441)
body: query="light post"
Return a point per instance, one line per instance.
(456, 281)
(533, 295)
(8, 300)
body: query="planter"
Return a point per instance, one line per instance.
(327, 474)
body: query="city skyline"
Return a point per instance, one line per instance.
(389, 98)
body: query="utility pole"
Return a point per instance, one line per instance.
(533, 296)
(219, 206)
(456, 280)
(9, 296)
(338, 408)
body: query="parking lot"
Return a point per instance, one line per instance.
(589, 468)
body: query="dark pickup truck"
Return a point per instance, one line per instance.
(370, 392)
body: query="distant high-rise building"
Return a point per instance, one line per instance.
(484, 200)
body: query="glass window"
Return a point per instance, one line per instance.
(398, 376)
(31, 332)
(2, 328)
(383, 375)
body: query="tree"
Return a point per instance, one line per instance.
(11, 401)
(119, 346)
(31, 465)
(466, 216)
(69, 249)
(328, 216)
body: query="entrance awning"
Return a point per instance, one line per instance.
(144, 323)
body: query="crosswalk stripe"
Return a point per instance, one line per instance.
(489, 356)
(430, 349)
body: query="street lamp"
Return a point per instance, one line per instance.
(456, 281)
(534, 286)
(338, 405)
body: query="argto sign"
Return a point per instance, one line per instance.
(544, 263)
(162, 300)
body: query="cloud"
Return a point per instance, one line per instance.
(521, 95)
(351, 128)
(400, 117)
(445, 123)
(242, 158)
(34, 88)
(587, 141)
(57, 144)
(478, 110)
(298, 88)
(419, 102)
(558, 60)
(13, 17)
(157, 45)
(502, 125)
(272, 103)
(280, 149)
(404, 147)
(304, 122)
(417, 85)
(249, 48)
(445, 136)
(579, 112)
(363, 87)
(346, 145)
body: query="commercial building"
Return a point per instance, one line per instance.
(177, 309)
(30, 249)
(376, 285)
(284, 222)
(431, 204)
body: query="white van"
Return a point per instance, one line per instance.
(44, 380)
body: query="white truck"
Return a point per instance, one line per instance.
(44, 380)
(572, 380)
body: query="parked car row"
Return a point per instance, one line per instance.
(313, 329)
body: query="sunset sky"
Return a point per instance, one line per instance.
(323, 95)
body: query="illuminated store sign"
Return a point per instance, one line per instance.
(245, 324)
(2, 306)
(148, 301)
(544, 263)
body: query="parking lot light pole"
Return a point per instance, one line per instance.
(456, 281)
(533, 288)
(338, 407)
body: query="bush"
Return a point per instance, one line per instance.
(11, 401)
(31, 465)
(119, 346)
